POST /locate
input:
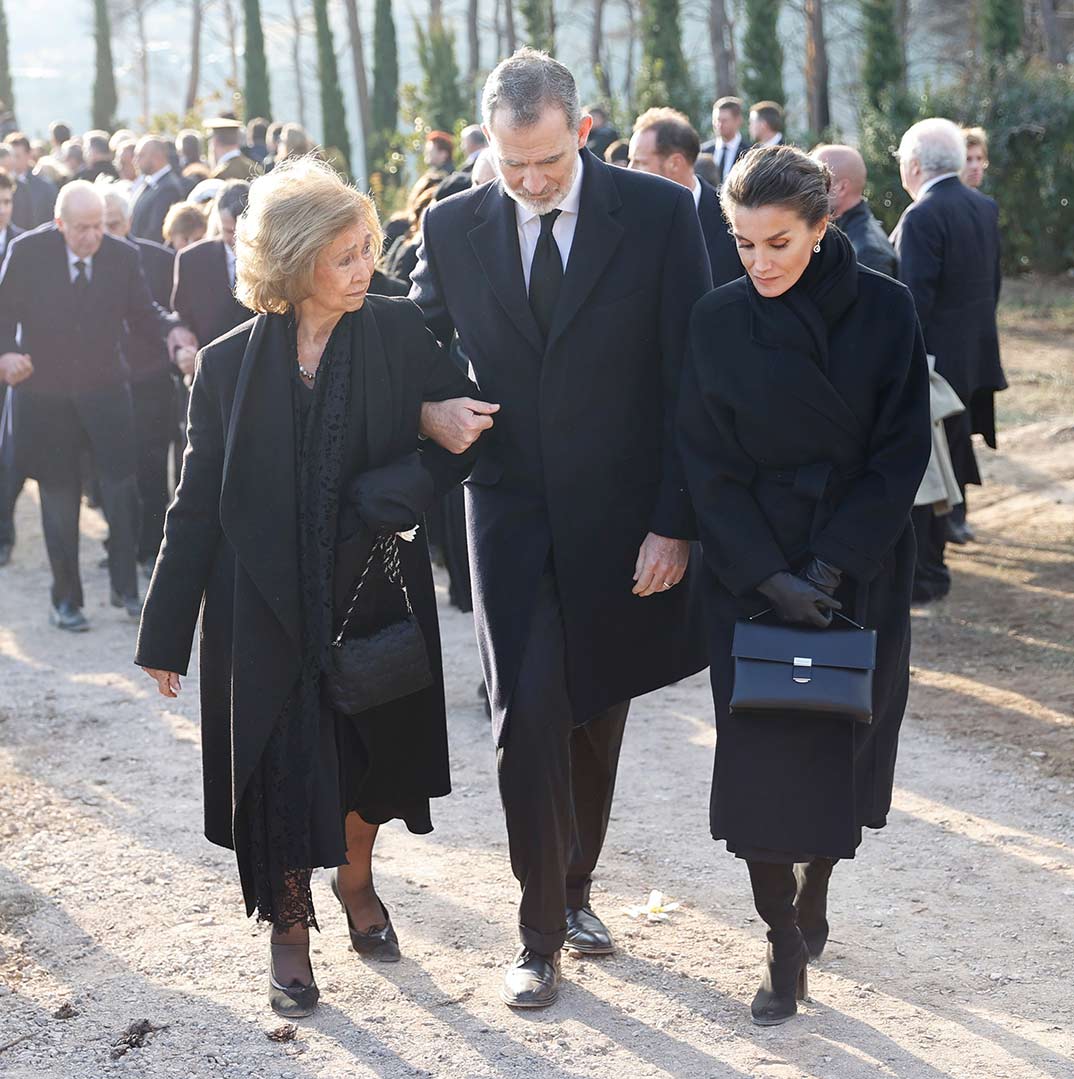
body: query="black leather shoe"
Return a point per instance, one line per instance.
(380, 942)
(294, 1001)
(811, 903)
(785, 980)
(68, 617)
(959, 532)
(587, 934)
(5, 553)
(131, 604)
(531, 981)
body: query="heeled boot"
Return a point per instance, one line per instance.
(785, 980)
(811, 902)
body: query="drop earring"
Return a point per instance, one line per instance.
(816, 248)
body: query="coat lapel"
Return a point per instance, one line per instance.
(257, 498)
(495, 243)
(596, 237)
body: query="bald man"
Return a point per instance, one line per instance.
(161, 189)
(851, 210)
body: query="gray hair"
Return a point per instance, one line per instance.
(77, 191)
(937, 145)
(113, 197)
(525, 84)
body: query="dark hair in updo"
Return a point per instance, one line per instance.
(778, 176)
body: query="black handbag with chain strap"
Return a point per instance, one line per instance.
(365, 672)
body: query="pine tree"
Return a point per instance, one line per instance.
(7, 90)
(881, 66)
(104, 83)
(538, 18)
(385, 102)
(256, 88)
(664, 78)
(440, 99)
(334, 117)
(1001, 28)
(762, 53)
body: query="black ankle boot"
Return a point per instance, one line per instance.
(785, 980)
(811, 902)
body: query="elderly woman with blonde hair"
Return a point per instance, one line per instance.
(302, 469)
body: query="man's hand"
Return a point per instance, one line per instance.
(456, 424)
(15, 367)
(180, 337)
(184, 360)
(168, 684)
(661, 564)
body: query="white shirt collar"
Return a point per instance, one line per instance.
(932, 183)
(696, 190)
(223, 159)
(568, 205)
(731, 144)
(72, 258)
(775, 140)
(159, 175)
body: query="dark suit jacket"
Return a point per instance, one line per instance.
(147, 355)
(715, 147)
(35, 201)
(152, 205)
(202, 294)
(89, 173)
(948, 248)
(76, 348)
(720, 244)
(581, 463)
(12, 232)
(871, 245)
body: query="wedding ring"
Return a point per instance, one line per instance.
(667, 585)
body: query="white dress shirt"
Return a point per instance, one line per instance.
(5, 239)
(932, 183)
(157, 176)
(229, 258)
(728, 153)
(696, 191)
(72, 269)
(529, 226)
(775, 140)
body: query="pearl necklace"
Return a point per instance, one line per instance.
(309, 376)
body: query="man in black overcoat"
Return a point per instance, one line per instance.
(728, 145)
(160, 189)
(68, 291)
(34, 195)
(664, 143)
(10, 485)
(570, 284)
(949, 254)
(152, 382)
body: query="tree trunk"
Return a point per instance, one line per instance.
(358, 58)
(509, 26)
(902, 26)
(1049, 28)
(296, 61)
(231, 25)
(817, 68)
(632, 40)
(473, 34)
(596, 50)
(196, 16)
(143, 59)
(720, 40)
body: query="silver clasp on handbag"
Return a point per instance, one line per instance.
(803, 670)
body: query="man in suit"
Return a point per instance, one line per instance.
(98, 156)
(603, 133)
(664, 143)
(948, 246)
(203, 290)
(728, 145)
(471, 141)
(256, 146)
(850, 208)
(570, 284)
(34, 195)
(151, 380)
(225, 151)
(10, 482)
(766, 123)
(160, 189)
(66, 294)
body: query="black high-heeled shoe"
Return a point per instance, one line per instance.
(294, 1001)
(379, 944)
(811, 902)
(785, 981)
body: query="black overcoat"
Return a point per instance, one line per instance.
(720, 244)
(230, 549)
(753, 411)
(949, 258)
(34, 202)
(77, 352)
(151, 206)
(202, 294)
(581, 463)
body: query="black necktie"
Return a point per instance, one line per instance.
(81, 280)
(546, 274)
(724, 163)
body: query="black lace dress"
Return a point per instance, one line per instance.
(317, 765)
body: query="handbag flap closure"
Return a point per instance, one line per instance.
(805, 648)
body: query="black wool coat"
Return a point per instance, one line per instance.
(147, 356)
(871, 244)
(581, 463)
(202, 294)
(34, 202)
(720, 244)
(754, 410)
(949, 258)
(230, 548)
(151, 206)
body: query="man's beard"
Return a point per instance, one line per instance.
(546, 202)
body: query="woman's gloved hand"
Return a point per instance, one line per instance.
(796, 600)
(822, 575)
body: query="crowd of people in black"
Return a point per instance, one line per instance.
(698, 402)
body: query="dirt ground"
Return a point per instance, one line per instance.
(953, 931)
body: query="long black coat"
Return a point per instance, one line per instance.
(948, 247)
(147, 356)
(35, 200)
(151, 206)
(581, 463)
(230, 548)
(202, 293)
(751, 405)
(871, 244)
(720, 244)
(77, 352)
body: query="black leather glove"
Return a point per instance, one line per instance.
(796, 600)
(822, 575)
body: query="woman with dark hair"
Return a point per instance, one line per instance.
(804, 431)
(303, 450)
